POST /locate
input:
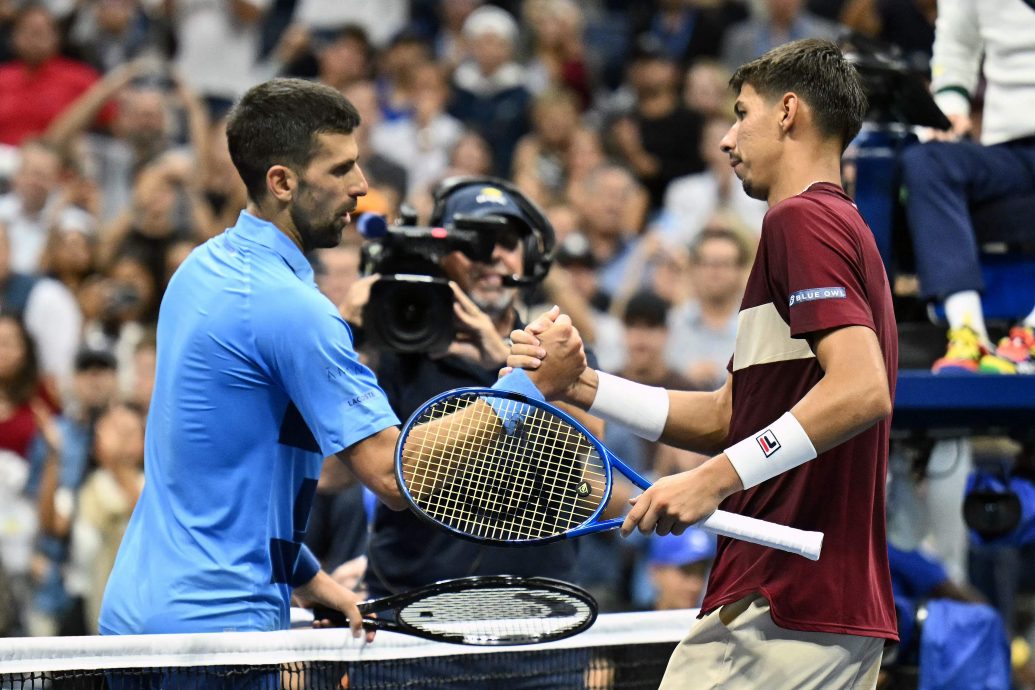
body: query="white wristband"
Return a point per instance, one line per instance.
(643, 409)
(781, 446)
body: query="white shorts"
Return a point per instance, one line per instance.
(738, 647)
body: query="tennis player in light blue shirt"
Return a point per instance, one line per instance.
(256, 383)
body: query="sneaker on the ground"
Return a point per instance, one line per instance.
(964, 353)
(1019, 347)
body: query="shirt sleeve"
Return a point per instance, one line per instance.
(308, 348)
(816, 269)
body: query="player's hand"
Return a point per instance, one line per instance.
(961, 127)
(563, 363)
(476, 336)
(677, 501)
(356, 298)
(525, 350)
(325, 590)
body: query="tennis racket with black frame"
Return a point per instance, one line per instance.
(482, 610)
(497, 467)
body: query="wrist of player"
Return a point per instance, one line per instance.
(771, 451)
(641, 409)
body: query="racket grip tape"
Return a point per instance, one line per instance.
(797, 541)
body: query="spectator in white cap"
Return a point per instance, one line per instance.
(490, 93)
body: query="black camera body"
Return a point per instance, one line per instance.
(411, 306)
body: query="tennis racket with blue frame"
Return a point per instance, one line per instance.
(498, 467)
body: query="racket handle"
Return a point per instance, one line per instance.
(765, 533)
(762, 532)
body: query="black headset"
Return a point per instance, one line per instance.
(538, 242)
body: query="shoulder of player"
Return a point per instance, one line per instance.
(806, 214)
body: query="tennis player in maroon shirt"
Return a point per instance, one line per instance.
(801, 425)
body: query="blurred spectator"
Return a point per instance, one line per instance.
(105, 502)
(908, 24)
(107, 33)
(119, 308)
(167, 207)
(218, 47)
(572, 285)
(141, 132)
(602, 201)
(704, 330)
(142, 381)
(29, 209)
(221, 186)
(336, 269)
(645, 319)
(344, 57)
(692, 201)
(660, 139)
(541, 157)
(20, 387)
(559, 59)
(396, 78)
(472, 155)
(16, 539)
(689, 29)
(38, 84)
(421, 141)
(776, 23)
(59, 457)
(490, 93)
(381, 20)
(706, 90)
(50, 314)
(678, 567)
(450, 46)
(382, 172)
(71, 252)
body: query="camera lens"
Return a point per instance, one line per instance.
(411, 315)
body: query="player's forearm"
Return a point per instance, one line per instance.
(835, 410)
(697, 421)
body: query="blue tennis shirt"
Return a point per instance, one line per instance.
(256, 383)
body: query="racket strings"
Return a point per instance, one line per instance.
(499, 614)
(533, 477)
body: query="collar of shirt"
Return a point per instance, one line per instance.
(264, 233)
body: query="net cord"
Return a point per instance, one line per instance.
(40, 654)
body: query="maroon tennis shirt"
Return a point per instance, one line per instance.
(817, 268)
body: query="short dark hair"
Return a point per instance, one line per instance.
(646, 309)
(277, 122)
(817, 71)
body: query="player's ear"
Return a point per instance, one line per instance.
(789, 109)
(281, 183)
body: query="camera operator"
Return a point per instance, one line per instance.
(403, 551)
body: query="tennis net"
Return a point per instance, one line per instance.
(620, 651)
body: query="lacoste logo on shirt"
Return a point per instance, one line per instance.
(768, 442)
(813, 294)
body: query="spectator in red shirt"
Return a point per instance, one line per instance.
(39, 83)
(20, 387)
